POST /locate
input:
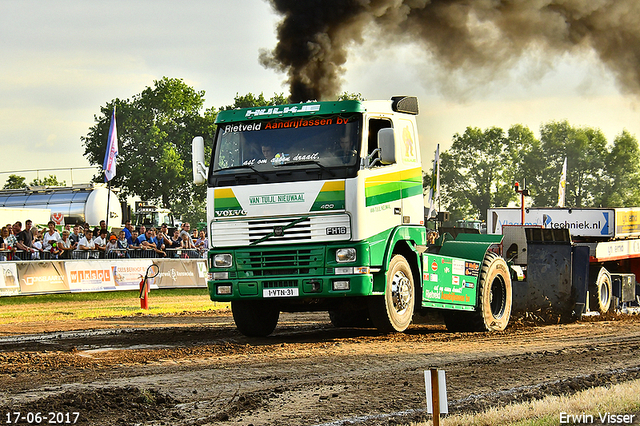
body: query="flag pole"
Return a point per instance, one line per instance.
(108, 200)
(109, 165)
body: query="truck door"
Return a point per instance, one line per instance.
(382, 187)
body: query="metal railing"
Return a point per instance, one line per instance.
(132, 253)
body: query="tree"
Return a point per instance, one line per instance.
(474, 173)
(50, 180)
(15, 182)
(346, 96)
(250, 100)
(586, 152)
(155, 129)
(622, 183)
(524, 161)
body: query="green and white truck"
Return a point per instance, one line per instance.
(319, 206)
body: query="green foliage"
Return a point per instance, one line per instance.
(473, 173)
(50, 180)
(586, 152)
(15, 182)
(250, 100)
(623, 173)
(155, 129)
(480, 168)
(346, 96)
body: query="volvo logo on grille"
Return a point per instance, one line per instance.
(278, 231)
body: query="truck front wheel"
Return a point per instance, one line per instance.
(254, 318)
(394, 310)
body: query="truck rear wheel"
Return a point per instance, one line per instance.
(254, 318)
(493, 308)
(600, 292)
(394, 310)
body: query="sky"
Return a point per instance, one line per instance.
(60, 61)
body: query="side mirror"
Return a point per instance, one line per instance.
(197, 159)
(387, 146)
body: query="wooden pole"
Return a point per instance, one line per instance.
(435, 396)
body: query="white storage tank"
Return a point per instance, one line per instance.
(75, 204)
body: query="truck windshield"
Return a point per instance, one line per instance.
(264, 147)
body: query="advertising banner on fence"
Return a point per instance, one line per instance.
(9, 284)
(177, 273)
(56, 276)
(41, 277)
(128, 274)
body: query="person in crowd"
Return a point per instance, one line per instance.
(194, 235)
(86, 228)
(160, 243)
(4, 250)
(97, 229)
(102, 240)
(3, 234)
(88, 244)
(28, 226)
(128, 228)
(9, 238)
(142, 235)
(123, 241)
(187, 242)
(147, 239)
(176, 241)
(50, 237)
(22, 239)
(134, 237)
(66, 246)
(186, 229)
(75, 235)
(36, 236)
(202, 243)
(112, 248)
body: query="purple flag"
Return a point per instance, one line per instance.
(109, 165)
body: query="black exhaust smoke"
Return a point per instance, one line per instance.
(479, 36)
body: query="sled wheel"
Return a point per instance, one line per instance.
(600, 292)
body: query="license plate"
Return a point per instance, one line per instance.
(280, 292)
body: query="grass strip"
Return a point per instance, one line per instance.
(590, 406)
(64, 306)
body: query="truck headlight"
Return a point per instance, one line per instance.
(224, 289)
(345, 255)
(222, 260)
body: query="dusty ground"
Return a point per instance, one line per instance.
(197, 369)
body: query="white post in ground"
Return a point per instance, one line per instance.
(436, 388)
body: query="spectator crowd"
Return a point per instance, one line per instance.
(82, 242)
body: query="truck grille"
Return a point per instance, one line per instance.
(265, 263)
(278, 230)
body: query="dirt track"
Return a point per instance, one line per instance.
(198, 370)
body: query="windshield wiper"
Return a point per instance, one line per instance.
(304, 162)
(247, 166)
